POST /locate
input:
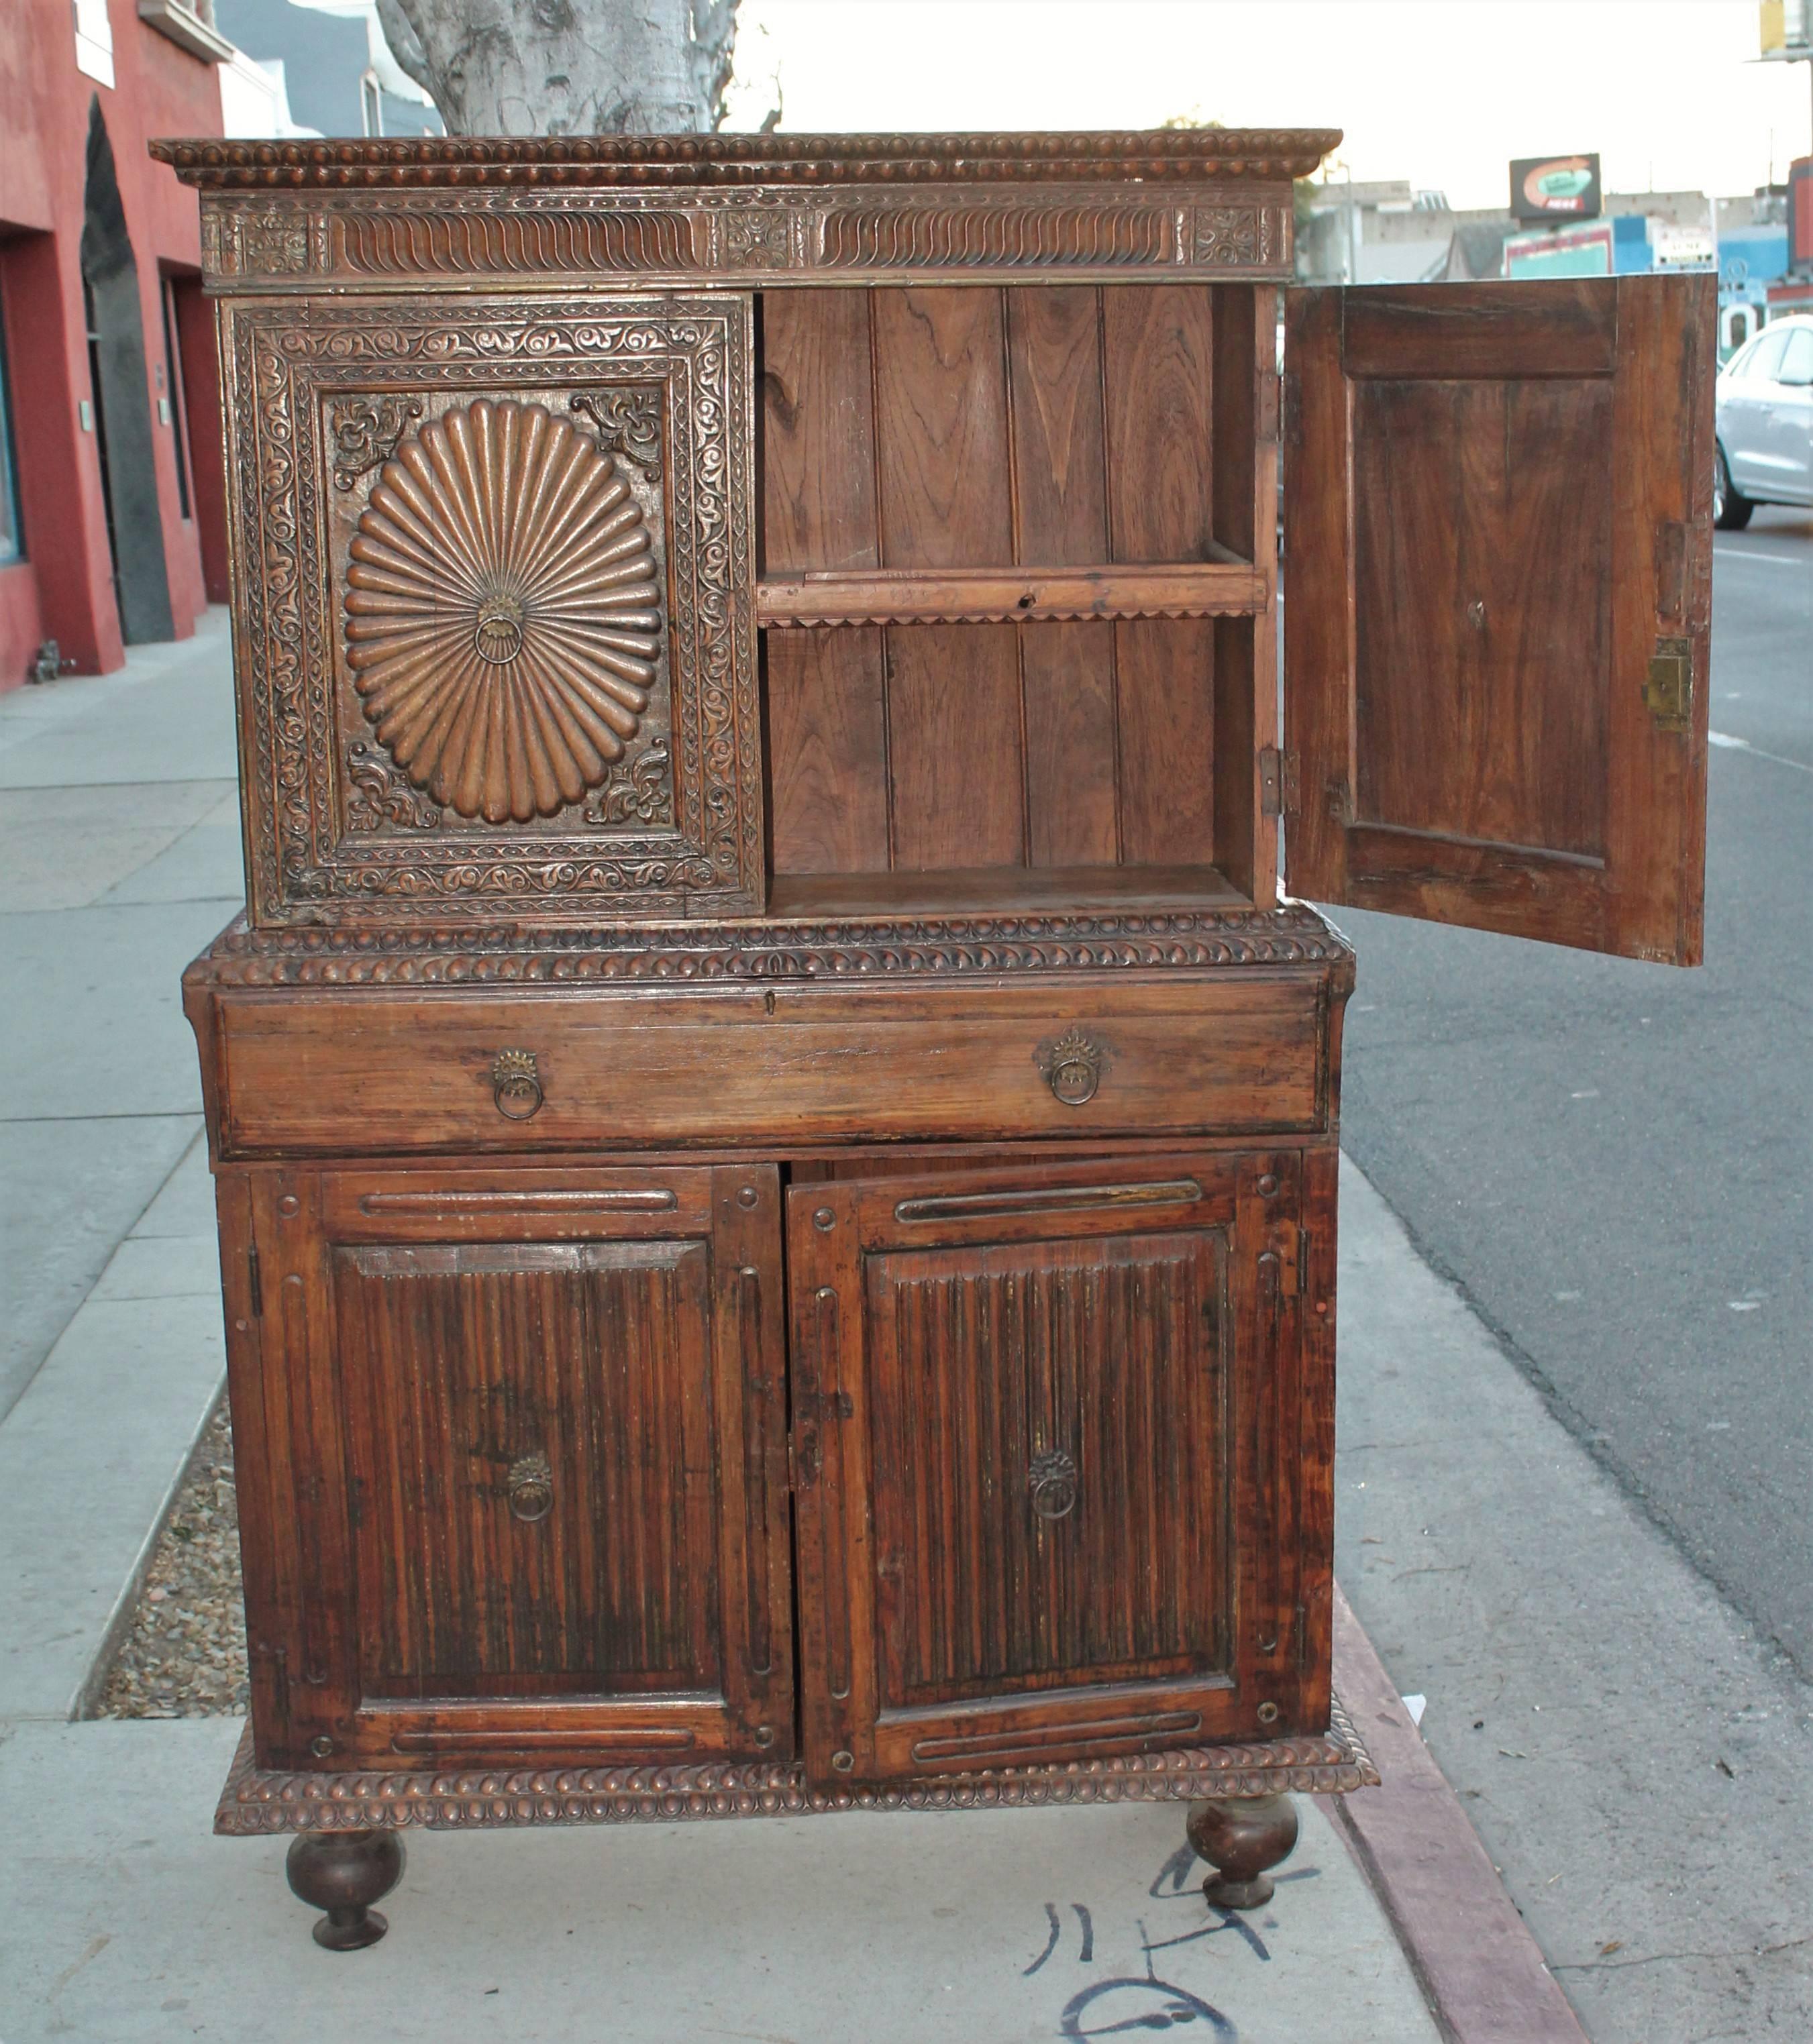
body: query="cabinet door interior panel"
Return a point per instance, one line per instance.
(1497, 654)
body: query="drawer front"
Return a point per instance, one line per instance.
(370, 1074)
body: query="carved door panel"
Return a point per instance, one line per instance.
(1061, 1460)
(1498, 529)
(493, 577)
(527, 1424)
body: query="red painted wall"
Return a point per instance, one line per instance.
(64, 590)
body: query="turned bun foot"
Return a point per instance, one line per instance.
(344, 1873)
(1241, 1836)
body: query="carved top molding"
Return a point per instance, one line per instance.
(949, 947)
(607, 161)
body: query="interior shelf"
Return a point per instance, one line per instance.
(1225, 587)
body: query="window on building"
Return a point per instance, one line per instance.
(12, 539)
(372, 102)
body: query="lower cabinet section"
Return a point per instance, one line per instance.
(547, 1465)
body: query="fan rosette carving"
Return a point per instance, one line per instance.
(503, 611)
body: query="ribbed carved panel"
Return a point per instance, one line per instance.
(470, 242)
(481, 1572)
(995, 236)
(1049, 1464)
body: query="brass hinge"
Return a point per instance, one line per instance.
(1277, 781)
(1667, 692)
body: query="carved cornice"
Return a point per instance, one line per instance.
(936, 947)
(257, 1800)
(747, 209)
(508, 232)
(610, 162)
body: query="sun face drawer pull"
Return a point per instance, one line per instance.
(1072, 1065)
(515, 1085)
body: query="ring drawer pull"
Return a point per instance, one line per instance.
(1072, 1067)
(1052, 1480)
(514, 1084)
(530, 1487)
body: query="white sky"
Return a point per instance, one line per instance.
(1442, 92)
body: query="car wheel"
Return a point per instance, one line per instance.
(1730, 512)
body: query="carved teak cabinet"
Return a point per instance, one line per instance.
(776, 1135)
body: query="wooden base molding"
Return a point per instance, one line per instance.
(258, 1801)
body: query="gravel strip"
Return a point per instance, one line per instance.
(182, 1655)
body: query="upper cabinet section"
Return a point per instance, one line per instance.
(493, 571)
(1498, 570)
(748, 209)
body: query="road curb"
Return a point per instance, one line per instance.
(1484, 1978)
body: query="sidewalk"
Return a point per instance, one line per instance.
(1496, 1568)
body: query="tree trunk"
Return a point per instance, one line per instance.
(568, 67)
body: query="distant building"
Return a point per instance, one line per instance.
(339, 73)
(1390, 234)
(112, 499)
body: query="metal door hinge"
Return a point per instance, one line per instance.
(1277, 781)
(1668, 691)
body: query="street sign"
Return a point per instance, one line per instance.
(1555, 188)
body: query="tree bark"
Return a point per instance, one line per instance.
(568, 67)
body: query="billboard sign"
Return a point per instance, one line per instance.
(1555, 188)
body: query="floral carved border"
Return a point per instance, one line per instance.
(281, 364)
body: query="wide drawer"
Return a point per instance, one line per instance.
(368, 1072)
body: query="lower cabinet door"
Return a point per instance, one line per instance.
(1062, 1448)
(513, 1454)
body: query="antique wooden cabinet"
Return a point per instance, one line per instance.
(776, 1135)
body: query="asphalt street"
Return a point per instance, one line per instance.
(1613, 1159)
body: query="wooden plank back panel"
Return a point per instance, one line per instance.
(940, 404)
(1054, 359)
(827, 731)
(818, 431)
(1165, 671)
(956, 779)
(1073, 425)
(1158, 364)
(1067, 679)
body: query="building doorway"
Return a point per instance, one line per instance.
(126, 443)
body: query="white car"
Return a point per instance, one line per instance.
(1764, 451)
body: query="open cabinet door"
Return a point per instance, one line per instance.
(1497, 596)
